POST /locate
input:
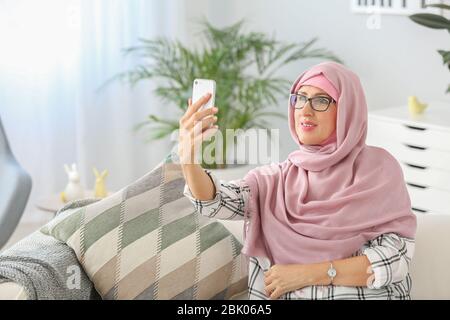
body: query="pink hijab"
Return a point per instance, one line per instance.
(325, 201)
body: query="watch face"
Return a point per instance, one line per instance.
(332, 272)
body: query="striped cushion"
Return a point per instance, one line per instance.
(146, 241)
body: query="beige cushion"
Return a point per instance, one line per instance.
(147, 242)
(431, 261)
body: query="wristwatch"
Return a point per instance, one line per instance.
(331, 272)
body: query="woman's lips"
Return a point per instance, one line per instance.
(307, 127)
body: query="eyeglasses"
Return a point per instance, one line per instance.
(318, 103)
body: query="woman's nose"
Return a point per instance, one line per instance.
(307, 109)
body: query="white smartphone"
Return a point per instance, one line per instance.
(202, 87)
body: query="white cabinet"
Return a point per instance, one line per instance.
(422, 146)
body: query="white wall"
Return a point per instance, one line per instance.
(395, 61)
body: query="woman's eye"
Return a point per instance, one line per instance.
(302, 99)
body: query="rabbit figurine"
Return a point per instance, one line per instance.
(73, 190)
(100, 188)
(415, 106)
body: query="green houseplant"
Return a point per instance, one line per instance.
(435, 21)
(242, 63)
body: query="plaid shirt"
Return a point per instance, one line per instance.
(389, 254)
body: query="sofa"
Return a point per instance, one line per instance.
(429, 269)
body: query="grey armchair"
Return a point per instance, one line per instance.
(15, 187)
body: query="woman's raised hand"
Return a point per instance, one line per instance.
(195, 127)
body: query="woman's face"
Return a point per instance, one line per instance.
(324, 122)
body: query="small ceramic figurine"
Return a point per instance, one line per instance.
(73, 190)
(100, 188)
(415, 107)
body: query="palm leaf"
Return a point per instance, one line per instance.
(440, 6)
(159, 128)
(445, 56)
(430, 20)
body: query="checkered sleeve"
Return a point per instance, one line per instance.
(229, 202)
(390, 256)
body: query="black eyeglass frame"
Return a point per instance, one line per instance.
(297, 95)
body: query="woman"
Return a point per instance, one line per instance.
(334, 220)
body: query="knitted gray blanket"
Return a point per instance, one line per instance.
(46, 268)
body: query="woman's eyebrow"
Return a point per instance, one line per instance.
(317, 94)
